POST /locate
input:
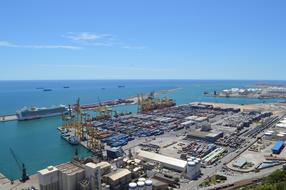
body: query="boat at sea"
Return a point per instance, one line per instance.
(37, 113)
(47, 90)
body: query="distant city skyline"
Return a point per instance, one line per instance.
(188, 39)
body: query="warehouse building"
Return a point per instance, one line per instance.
(166, 161)
(212, 136)
(118, 179)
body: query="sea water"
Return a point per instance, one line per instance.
(38, 144)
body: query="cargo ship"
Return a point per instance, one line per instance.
(37, 113)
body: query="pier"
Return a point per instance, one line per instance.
(12, 117)
(111, 103)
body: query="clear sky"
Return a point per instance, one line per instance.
(142, 39)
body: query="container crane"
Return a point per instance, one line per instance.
(21, 166)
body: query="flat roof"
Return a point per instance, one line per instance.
(240, 162)
(49, 169)
(188, 122)
(198, 133)
(120, 173)
(69, 168)
(102, 164)
(214, 134)
(172, 162)
(278, 145)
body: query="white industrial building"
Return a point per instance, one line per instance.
(166, 161)
(93, 174)
(71, 176)
(49, 178)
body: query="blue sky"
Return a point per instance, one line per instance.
(143, 39)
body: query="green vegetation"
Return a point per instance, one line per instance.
(216, 179)
(276, 181)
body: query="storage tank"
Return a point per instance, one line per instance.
(189, 160)
(132, 186)
(148, 184)
(198, 166)
(107, 187)
(141, 185)
(191, 166)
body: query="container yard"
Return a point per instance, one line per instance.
(168, 146)
(114, 131)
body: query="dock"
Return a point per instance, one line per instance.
(6, 184)
(4, 180)
(12, 117)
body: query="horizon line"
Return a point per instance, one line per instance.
(162, 79)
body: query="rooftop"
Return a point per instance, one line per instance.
(240, 163)
(102, 164)
(120, 173)
(69, 168)
(278, 145)
(48, 170)
(180, 164)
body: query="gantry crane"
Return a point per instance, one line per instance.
(149, 103)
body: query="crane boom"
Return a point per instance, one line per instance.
(21, 166)
(15, 158)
